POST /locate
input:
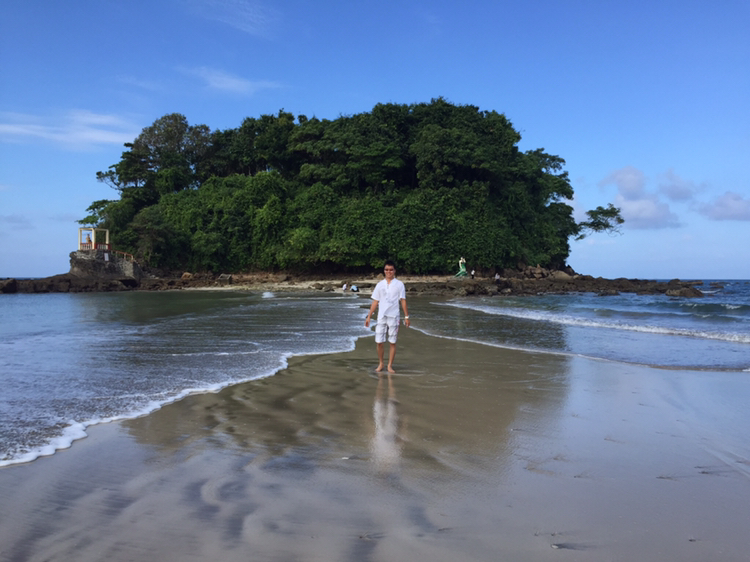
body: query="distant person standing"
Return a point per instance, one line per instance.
(388, 294)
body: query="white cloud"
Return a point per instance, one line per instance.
(630, 182)
(78, 129)
(640, 209)
(646, 212)
(16, 221)
(225, 82)
(728, 207)
(248, 16)
(677, 188)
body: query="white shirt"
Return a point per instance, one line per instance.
(389, 297)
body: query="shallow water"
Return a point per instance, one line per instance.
(70, 360)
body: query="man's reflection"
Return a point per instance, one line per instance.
(386, 444)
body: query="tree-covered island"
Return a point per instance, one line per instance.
(422, 184)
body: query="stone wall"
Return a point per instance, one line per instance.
(103, 264)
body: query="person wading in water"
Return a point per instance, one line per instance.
(388, 294)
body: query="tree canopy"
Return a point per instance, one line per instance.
(421, 184)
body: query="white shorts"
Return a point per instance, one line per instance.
(387, 327)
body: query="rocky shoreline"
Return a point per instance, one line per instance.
(525, 282)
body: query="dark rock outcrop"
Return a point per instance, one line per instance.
(685, 292)
(67, 283)
(8, 286)
(537, 281)
(90, 271)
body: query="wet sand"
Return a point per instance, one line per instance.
(469, 452)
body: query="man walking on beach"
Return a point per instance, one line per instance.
(386, 298)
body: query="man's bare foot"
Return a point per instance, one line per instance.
(380, 368)
(390, 369)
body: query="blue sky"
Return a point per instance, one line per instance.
(647, 101)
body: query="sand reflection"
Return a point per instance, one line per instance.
(386, 443)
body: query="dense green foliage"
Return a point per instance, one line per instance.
(421, 184)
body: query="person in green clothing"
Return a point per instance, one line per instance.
(461, 268)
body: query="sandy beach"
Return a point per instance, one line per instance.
(469, 452)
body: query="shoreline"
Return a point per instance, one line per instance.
(79, 430)
(469, 451)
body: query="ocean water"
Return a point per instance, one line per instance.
(708, 333)
(68, 361)
(71, 360)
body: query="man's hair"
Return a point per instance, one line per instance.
(389, 262)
